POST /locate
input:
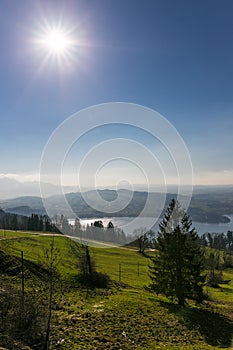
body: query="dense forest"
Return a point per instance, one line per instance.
(34, 222)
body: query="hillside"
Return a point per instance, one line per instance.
(210, 207)
(123, 316)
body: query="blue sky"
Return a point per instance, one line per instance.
(174, 56)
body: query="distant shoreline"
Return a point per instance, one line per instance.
(122, 222)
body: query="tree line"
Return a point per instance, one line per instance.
(222, 241)
(94, 231)
(149, 239)
(61, 224)
(34, 222)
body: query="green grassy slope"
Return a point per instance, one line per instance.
(127, 316)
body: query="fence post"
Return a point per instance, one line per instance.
(119, 272)
(22, 278)
(138, 268)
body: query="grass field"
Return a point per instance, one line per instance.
(127, 316)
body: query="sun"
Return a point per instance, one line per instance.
(57, 42)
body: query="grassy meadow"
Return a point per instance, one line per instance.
(126, 315)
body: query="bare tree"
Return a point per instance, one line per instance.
(142, 238)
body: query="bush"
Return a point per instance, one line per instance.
(228, 261)
(95, 280)
(24, 323)
(215, 279)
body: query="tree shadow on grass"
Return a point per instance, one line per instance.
(226, 290)
(216, 329)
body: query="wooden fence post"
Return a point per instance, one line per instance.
(119, 272)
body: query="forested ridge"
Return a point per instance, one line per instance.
(211, 207)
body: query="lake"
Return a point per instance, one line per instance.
(129, 224)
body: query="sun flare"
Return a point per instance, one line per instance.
(59, 45)
(57, 42)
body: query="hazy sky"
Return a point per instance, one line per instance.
(174, 56)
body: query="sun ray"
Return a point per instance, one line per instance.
(56, 40)
(59, 46)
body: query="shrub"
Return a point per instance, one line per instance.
(95, 280)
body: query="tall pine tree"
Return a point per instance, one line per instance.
(176, 270)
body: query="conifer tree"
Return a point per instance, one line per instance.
(177, 268)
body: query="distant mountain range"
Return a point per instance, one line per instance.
(211, 206)
(11, 188)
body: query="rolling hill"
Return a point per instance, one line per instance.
(210, 207)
